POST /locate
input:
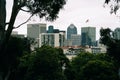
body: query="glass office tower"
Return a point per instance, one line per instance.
(88, 36)
(71, 30)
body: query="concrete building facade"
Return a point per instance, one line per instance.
(52, 39)
(76, 40)
(33, 31)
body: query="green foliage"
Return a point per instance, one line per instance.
(45, 63)
(87, 66)
(43, 8)
(47, 9)
(113, 45)
(98, 70)
(81, 59)
(107, 1)
(114, 5)
(10, 59)
(106, 36)
(13, 50)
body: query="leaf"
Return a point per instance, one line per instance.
(107, 1)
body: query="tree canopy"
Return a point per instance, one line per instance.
(46, 63)
(43, 8)
(87, 66)
(113, 45)
(47, 9)
(114, 5)
(14, 50)
(99, 70)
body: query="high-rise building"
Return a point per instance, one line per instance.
(116, 33)
(76, 39)
(52, 39)
(52, 30)
(68, 43)
(88, 36)
(33, 31)
(71, 30)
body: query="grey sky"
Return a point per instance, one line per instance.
(76, 12)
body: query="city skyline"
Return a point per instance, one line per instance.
(82, 13)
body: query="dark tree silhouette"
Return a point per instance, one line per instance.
(87, 66)
(10, 60)
(113, 45)
(46, 63)
(43, 8)
(114, 5)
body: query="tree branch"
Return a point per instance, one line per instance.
(24, 10)
(23, 22)
(7, 23)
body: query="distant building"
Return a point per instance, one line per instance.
(15, 34)
(50, 29)
(88, 36)
(76, 40)
(19, 36)
(68, 43)
(71, 30)
(33, 31)
(116, 33)
(52, 39)
(102, 47)
(96, 50)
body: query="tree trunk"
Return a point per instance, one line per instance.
(2, 20)
(5, 35)
(2, 17)
(2, 29)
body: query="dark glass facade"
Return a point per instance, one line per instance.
(88, 36)
(71, 30)
(50, 29)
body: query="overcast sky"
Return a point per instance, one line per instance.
(75, 12)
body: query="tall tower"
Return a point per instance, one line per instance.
(71, 30)
(33, 31)
(116, 33)
(76, 39)
(88, 36)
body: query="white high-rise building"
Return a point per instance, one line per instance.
(52, 39)
(33, 31)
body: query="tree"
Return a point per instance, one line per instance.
(82, 66)
(114, 5)
(113, 45)
(10, 60)
(43, 8)
(46, 63)
(48, 9)
(98, 70)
